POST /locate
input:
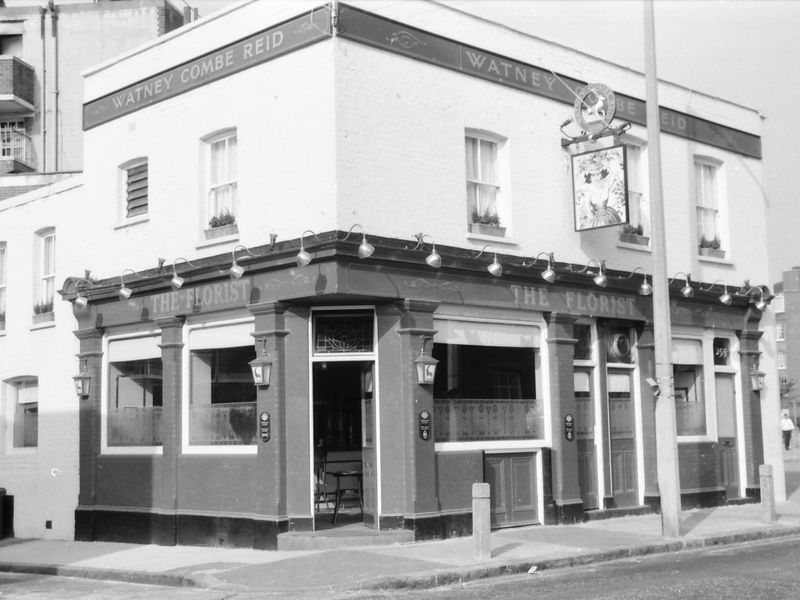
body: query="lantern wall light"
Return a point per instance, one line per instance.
(261, 367)
(303, 258)
(687, 291)
(549, 274)
(750, 291)
(645, 288)
(725, 298)
(124, 291)
(425, 364)
(81, 301)
(83, 381)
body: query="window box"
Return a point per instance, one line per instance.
(221, 231)
(487, 229)
(712, 252)
(44, 317)
(634, 238)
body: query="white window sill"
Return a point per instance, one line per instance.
(492, 239)
(13, 451)
(43, 325)
(225, 239)
(139, 450)
(635, 247)
(492, 445)
(131, 222)
(696, 439)
(714, 260)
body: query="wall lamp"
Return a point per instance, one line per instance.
(645, 289)
(83, 381)
(725, 298)
(303, 258)
(236, 270)
(124, 292)
(426, 365)
(600, 280)
(261, 367)
(495, 268)
(433, 259)
(687, 291)
(81, 301)
(177, 281)
(549, 274)
(365, 249)
(750, 291)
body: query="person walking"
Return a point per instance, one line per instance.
(787, 426)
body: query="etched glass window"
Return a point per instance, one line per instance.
(345, 332)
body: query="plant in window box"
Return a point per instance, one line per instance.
(43, 311)
(711, 247)
(222, 224)
(633, 234)
(486, 223)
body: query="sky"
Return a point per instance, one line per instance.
(744, 51)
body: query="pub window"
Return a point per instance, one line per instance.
(343, 332)
(221, 150)
(222, 397)
(709, 201)
(135, 393)
(638, 205)
(45, 263)
(486, 393)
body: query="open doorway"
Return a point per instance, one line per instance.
(344, 458)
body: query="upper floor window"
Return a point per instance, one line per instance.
(781, 359)
(135, 187)
(22, 412)
(780, 331)
(778, 304)
(637, 231)
(2, 286)
(221, 178)
(487, 206)
(13, 140)
(45, 280)
(708, 201)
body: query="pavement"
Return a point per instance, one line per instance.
(348, 571)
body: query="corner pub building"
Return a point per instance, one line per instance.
(348, 123)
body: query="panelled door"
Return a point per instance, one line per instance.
(726, 429)
(512, 480)
(622, 437)
(368, 459)
(584, 435)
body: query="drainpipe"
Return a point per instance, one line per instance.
(54, 33)
(43, 103)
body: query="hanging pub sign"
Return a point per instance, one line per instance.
(594, 107)
(600, 188)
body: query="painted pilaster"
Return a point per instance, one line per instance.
(564, 455)
(171, 360)
(647, 369)
(91, 350)
(751, 408)
(271, 401)
(419, 465)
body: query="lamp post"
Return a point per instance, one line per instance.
(666, 432)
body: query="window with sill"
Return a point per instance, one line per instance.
(45, 277)
(14, 140)
(709, 205)
(134, 179)
(487, 205)
(637, 231)
(133, 416)
(221, 182)
(22, 413)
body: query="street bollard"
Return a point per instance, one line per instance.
(767, 494)
(481, 515)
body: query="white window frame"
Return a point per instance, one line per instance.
(638, 198)
(712, 201)
(11, 391)
(45, 277)
(123, 194)
(780, 331)
(230, 179)
(14, 139)
(780, 359)
(104, 395)
(186, 390)
(499, 182)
